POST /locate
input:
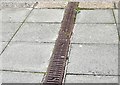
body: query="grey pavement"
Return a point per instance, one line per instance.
(40, 33)
(93, 59)
(27, 56)
(90, 79)
(11, 15)
(95, 16)
(3, 44)
(94, 49)
(29, 49)
(95, 33)
(18, 77)
(46, 15)
(7, 33)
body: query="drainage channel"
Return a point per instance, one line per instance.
(56, 68)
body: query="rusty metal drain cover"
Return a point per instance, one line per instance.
(56, 68)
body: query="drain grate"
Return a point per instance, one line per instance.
(56, 68)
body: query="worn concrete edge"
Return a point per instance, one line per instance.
(58, 4)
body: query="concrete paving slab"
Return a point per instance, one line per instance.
(10, 27)
(0, 34)
(46, 15)
(51, 4)
(0, 63)
(95, 16)
(93, 59)
(27, 56)
(4, 44)
(0, 46)
(8, 30)
(37, 32)
(95, 33)
(7, 37)
(15, 15)
(0, 77)
(18, 77)
(0, 23)
(91, 79)
(0, 27)
(0, 15)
